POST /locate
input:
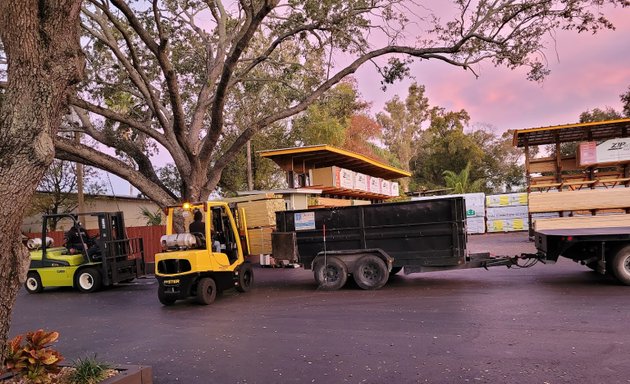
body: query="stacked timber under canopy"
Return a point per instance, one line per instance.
(584, 183)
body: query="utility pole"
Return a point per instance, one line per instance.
(250, 178)
(79, 171)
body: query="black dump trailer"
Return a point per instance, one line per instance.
(370, 242)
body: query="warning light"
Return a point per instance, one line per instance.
(186, 206)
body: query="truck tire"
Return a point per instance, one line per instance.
(33, 283)
(88, 280)
(164, 298)
(331, 275)
(206, 291)
(370, 272)
(621, 265)
(245, 278)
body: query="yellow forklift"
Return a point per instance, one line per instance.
(203, 259)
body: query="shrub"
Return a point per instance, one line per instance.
(34, 361)
(89, 371)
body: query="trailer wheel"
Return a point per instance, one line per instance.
(331, 275)
(33, 283)
(164, 298)
(370, 272)
(245, 278)
(621, 265)
(206, 291)
(88, 280)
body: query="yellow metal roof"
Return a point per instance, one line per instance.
(599, 130)
(321, 156)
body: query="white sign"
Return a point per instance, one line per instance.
(613, 150)
(304, 220)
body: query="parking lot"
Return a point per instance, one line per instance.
(557, 323)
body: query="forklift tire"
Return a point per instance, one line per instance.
(164, 298)
(621, 265)
(245, 278)
(332, 275)
(33, 283)
(206, 291)
(370, 272)
(88, 280)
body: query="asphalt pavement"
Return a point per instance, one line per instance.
(551, 324)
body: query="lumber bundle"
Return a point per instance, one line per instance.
(321, 202)
(246, 198)
(260, 240)
(262, 213)
(592, 199)
(602, 221)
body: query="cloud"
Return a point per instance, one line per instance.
(588, 71)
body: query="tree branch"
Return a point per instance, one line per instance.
(68, 149)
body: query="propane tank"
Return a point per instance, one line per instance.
(34, 244)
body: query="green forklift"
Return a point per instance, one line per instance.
(83, 262)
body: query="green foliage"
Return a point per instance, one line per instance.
(88, 370)
(153, 218)
(461, 183)
(58, 190)
(327, 121)
(170, 178)
(33, 360)
(625, 99)
(444, 146)
(597, 114)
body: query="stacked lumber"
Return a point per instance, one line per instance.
(602, 221)
(261, 222)
(260, 240)
(322, 202)
(592, 199)
(246, 198)
(262, 213)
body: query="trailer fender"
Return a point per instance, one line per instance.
(350, 257)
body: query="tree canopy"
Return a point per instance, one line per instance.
(198, 80)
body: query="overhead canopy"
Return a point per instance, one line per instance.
(600, 130)
(301, 159)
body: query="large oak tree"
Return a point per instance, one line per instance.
(43, 61)
(198, 79)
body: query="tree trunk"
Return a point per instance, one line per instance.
(41, 41)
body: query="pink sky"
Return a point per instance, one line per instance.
(588, 71)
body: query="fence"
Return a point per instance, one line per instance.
(150, 237)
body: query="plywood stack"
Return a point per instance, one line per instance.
(260, 240)
(507, 212)
(475, 210)
(577, 207)
(261, 221)
(262, 213)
